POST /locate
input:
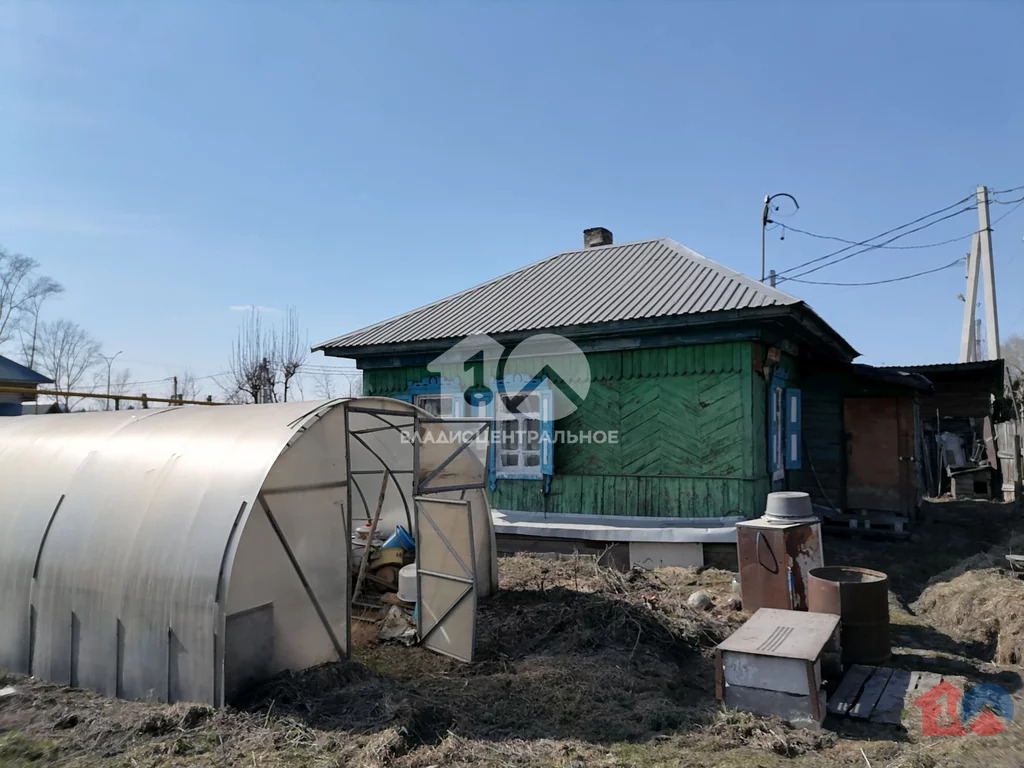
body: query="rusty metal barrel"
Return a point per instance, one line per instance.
(860, 597)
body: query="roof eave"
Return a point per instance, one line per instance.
(800, 312)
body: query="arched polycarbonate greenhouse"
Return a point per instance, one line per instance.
(179, 553)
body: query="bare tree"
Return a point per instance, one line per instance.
(22, 293)
(265, 359)
(67, 354)
(186, 387)
(323, 385)
(251, 356)
(292, 348)
(120, 385)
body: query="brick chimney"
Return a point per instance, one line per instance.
(596, 236)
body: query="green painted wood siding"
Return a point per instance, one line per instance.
(690, 428)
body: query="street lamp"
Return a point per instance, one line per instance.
(765, 221)
(110, 362)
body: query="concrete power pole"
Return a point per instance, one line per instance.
(980, 256)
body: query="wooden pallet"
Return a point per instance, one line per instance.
(878, 694)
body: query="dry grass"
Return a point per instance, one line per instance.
(575, 663)
(577, 666)
(982, 606)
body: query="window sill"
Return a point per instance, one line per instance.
(519, 475)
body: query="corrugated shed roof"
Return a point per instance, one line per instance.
(975, 365)
(16, 373)
(632, 281)
(891, 374)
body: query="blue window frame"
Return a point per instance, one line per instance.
(784, 427)
(522, 440)
(523, 435)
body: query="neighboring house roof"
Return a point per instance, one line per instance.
(987, 372)
(632, 281)
(16, 373)
(901, 377)
(992, 366)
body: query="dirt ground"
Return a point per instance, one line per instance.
(580, 666)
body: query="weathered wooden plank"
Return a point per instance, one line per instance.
(871, 692)
(566, 494)
(849, 689)
(889, 709)
(914, 676)
(592, 496)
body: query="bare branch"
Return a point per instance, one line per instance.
(67, 354)
(265, 360)
(22, 293)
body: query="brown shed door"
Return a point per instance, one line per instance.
(880, 446)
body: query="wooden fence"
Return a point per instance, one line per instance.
(1011, 458)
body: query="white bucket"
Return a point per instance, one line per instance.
(407, 583)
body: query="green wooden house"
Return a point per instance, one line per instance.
(695, 380)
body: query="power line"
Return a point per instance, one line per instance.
(882, 282)
(786, 227)
(1018, 205)
(871, 246)
(1006, 202)
(889, 232)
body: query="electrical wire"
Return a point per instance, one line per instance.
(867, 242)
(882, 282)
(1007, 213)
(1006, 202)
(869, 247)
(786, 227)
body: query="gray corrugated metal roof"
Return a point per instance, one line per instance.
(632, 281)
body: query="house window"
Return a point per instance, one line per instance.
(518, 438)
(442, 406)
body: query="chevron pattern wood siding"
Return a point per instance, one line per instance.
(690, 437)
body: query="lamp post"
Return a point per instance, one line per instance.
(110, 362)
(765, 221)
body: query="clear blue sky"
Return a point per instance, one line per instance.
(168, 161)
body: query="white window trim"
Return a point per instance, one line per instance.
(520, 471)
(779, 444)
(419, 399)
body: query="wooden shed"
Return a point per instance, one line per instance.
(863, 438)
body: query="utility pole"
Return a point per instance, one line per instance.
(967, 345)
(988, 274)
(980, 259)
(175, 396)
(110, 362)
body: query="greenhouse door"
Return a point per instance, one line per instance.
(451, 457)
(446, 576)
